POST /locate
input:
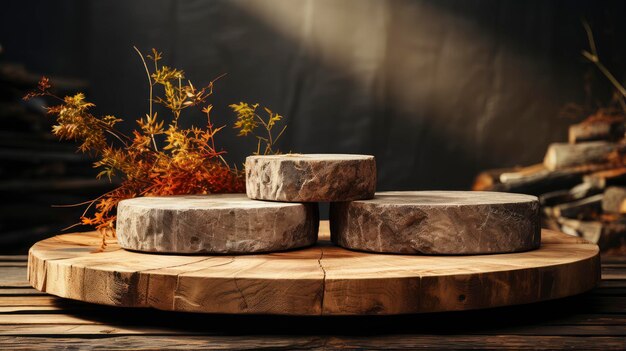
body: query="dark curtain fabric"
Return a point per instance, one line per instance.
(436, 90)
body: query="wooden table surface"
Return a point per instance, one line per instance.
(33, 320)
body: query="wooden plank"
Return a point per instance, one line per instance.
(13, 264)
(612, 283)
(253, 342)
(13, 258)
(67, 330)
(161, 342)
(614, 259)
(493, 342)
(179, 324)
(30, 309)
(573, 330)
(619, 275)
(606, 264)
(34, 300)
(19, 291)
(21, 319)
(587, 319)
(13, 277)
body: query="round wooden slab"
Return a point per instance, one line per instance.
(319, 280)
(310, 177)
(220, 223)
(438, 222)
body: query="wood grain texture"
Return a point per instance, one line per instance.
(614, 200)
(590, 321)
(563, 155)
(321, 280)
(390, 342)
(596, 130)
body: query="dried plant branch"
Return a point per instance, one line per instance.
(145, 65)
(188, 162)
(593, 57)
(248, 121)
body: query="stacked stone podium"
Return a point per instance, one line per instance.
(280, 212)
(390, 253)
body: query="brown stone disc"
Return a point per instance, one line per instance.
(319, 280)
(438, 222)
(224, 223)
(310, 177)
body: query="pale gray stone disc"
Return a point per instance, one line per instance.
(310, 177)
(438, 222)
(224, 223)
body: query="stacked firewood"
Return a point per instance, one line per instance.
(36, 170)
(581, 184)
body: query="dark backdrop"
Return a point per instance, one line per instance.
(436, 90)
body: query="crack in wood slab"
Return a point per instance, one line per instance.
(319, 262)
(241, 294)
(176, 294)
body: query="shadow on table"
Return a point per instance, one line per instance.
(524, 318)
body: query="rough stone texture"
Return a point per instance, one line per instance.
(225, 223)
(311, 177)
(438, 222)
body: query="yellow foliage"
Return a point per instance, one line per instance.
(187, 162)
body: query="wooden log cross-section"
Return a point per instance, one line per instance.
(605, 178)
(535, 179)
(578, 192)
(319, 280)
(563, 155)
(580, 208)
(35, 321)
(612, 129)
(614, 200)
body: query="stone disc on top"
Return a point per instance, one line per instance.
(220, 223)
(438, 222)
(311, 177)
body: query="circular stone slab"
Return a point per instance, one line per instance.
(224, 223)
(438, 222)
(310, 177)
